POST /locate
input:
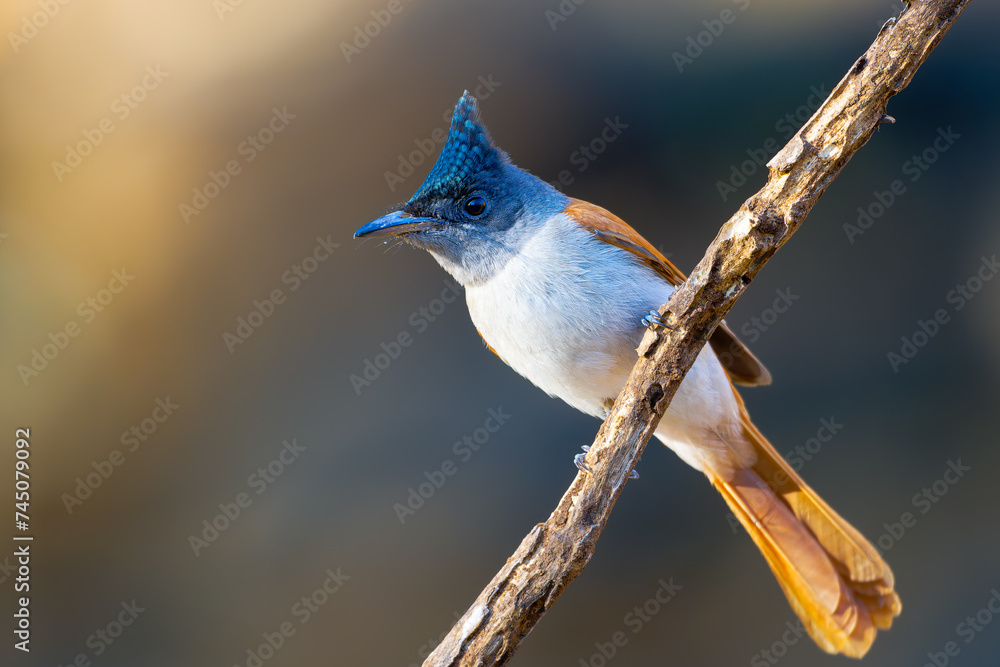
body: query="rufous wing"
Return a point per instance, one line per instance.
(740, 363)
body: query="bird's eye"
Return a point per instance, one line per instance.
(475, 206)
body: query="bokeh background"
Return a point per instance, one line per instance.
(349, 116)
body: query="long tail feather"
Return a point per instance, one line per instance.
(833, 577)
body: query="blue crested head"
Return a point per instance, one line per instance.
(474, 182)
(475, 206)
(468, 153)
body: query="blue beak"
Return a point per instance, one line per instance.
(395, 224)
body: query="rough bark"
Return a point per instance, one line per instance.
(556, 551)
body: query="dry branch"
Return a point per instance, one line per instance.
(555, 552)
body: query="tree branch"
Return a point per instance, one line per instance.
(555, 552)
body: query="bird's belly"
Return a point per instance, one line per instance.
(574, 339)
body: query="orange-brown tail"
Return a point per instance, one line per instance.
(834, 579)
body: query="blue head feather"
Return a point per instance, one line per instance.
(468, 152)
(473, 196)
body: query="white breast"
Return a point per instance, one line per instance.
(565, 313)
(564, 325)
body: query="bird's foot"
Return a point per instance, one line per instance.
(652, 320)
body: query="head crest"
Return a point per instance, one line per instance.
(469, 150)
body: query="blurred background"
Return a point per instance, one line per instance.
(167, 167)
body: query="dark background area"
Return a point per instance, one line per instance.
(323, 176)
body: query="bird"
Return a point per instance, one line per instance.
(558, 289)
